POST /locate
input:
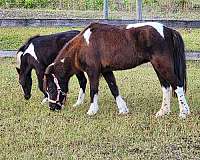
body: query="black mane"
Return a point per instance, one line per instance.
(27, 43)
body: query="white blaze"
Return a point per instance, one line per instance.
(30, 50)
(86, 35)
(19, 59)
(156, 25)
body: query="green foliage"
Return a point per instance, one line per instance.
(36, 3)
(150, 2)
(29, 4)
(93, 5)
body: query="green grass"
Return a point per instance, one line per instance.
(13, 38)
(29, 130)
(191, 39)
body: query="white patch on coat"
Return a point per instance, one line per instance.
(184, 108)
(165, 108)
(30, 50)
(156, 25)
(86, 35)
(19, 59)
(81, 97)
(62, 60)
(121, 104)
(93, 106)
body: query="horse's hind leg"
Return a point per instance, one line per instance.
(165, 108)
(121, 104)
(184, 108)
(165, 68)
(82, 82)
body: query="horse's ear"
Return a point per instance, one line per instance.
(18, 70)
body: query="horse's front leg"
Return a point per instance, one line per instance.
(94, 84)
(82, 82)
(121, 104)
(40, 76)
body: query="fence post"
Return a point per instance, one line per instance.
(139, 9)
(105, 9)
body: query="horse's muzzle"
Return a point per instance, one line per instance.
(27, 97)
(54, 107)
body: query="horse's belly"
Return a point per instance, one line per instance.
(123, 64)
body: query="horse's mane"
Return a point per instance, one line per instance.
(22, 48)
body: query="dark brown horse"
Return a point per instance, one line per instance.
(102, 49)
(37, 53)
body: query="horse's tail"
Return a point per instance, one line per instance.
(179, 59)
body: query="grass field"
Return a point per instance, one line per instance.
(29, 130)
(13, 38)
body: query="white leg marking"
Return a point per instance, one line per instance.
(165, 108)
(156, 25)
(45, 100)
(19, 59)
(121, 104)
(93, 106)
(86, 35)
(30, 50)
(80, 99)
(184, 108)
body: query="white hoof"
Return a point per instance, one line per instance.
(81, 97)
(161, 113)
(77, 104)
(45, 100)
(123, 110)
(121, 104)
(93, 109)
(184, 114)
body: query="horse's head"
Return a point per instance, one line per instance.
(24, 72)
(56, 85)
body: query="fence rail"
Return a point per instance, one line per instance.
(84, 22)
(189, 55)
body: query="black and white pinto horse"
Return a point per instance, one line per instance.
(101, 49)
(37, 53)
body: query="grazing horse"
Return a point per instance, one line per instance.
(102, 49)
(37, 53)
